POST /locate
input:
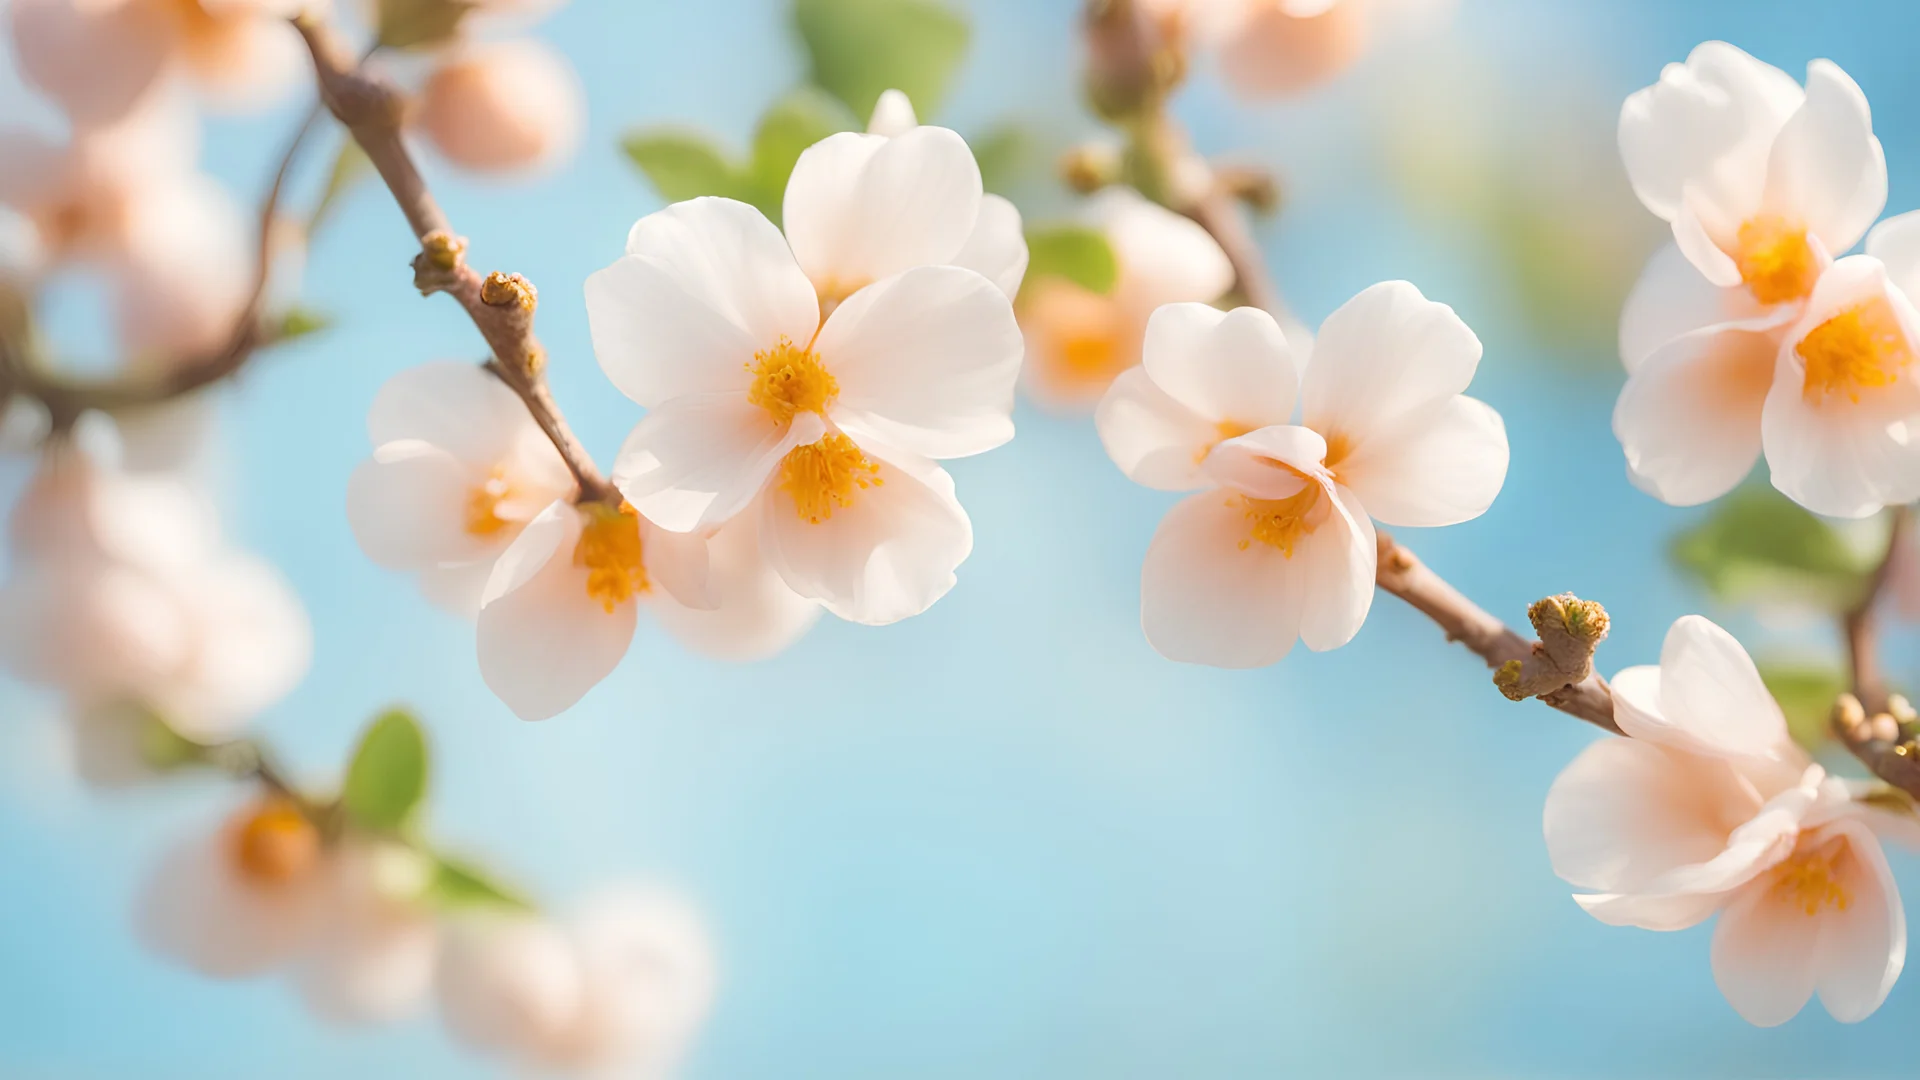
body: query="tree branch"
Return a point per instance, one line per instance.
(1877, 726)
(501, 306)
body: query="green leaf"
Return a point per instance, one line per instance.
(409, 24)
(858, 49)
(1806, 692)
(1005, 155)
(1075, 252)
(682, 164)
(388, 775)
(458, 885)
(296, 323)
(789, 126)
(1759, 545)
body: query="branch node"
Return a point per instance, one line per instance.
(509, 290)
(437, 267)
(1569, 630)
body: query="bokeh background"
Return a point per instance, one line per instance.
(1005, 839)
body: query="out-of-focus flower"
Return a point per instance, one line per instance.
(1278, 544)
(458, 469)
(1708, 806)
(120, 592)
(502, 106)
(98, 58)
(996, 247)
(1278, 48)
(826, 429)
(375, 951)
(1745, 336)
(1079, 340)
(620, 990)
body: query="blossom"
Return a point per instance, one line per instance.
(458, 470)
(1276, 48)
(265, 891)
(622, 988)
(826, 429)
(1746, 336)
(1278, 545)
(502, 106)
(1078, 340)
(1708, 807)
(99, 58)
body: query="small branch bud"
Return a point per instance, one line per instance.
(1257, 188)
(1569, 630)
(1087, 169)
(509, 290)
(437, 267)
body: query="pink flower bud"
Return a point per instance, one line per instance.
(95, 58)
(503, 106)
(1276, 52)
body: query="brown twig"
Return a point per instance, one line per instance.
(1877, 726)
(501, 306)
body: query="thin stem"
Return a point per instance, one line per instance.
(501, 306)
(1872, 723)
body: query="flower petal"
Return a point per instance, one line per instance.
(1337, 564)
(456, 589)
(1708, 122)
(704, 285)
(543, 640)
(892, 114)
(408, 507)
(1270, 462)
(1862, 946)
(696, 461)
(677, 563)
(1207, 596)
(1826, 168)
(460, 408)
(1763, 956)
(888, 556)
(1163, 257)
(1628, 810)
(1384, 355)
(997, 247)
(1154, 439)
(1231, 367)
(253, 641)
(756, 614)
(1439, 468)
(1672, 298)
(1712, 700)
(1689, 418)
(96, 60)
(859, 208)
(926, 361)
(1896, 243)
(198, 909)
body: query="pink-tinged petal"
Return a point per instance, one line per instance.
(705, 285)
(1684, 895)
(456, 589)
(180, 274)
(1836, 444)
(512, 106)
(1763, 956)
(1276, 52)
(756, 614)
(1627, 811)
(651, 973)
(1232, 367)
(1439, 468)
(997, 247)
(1896, 243)
(1163, 257)
(543, 639)
(1709, 121)
(1689, 418)
(242, 58)
(375, 953)
(1385, 355)
(514, 984)
(1694, 235)
(200, 909)
(860, 208)
(1827, 169)
(409, 506)
(1712, 696)
(696, 461)
(460, 408)
(678, 565)
(1862, 946)
(888, 556)
(253, 644)
(1270, 463)
(1338, 563)
(1209, 595)
(1672, 298)
(925, 361)
(1154, 439)
(1667, 911)
(95, 60)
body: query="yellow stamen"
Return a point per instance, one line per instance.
(1808, 880)
(483, 505)
(788, 380)
(1861, 348)
(1231, 429)
(1775, 260)
(825, 474)
(275, 844)
(609, 548)
(1280, 523)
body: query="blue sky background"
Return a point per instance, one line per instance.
(1004, 839)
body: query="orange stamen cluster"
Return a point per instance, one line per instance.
(1862, 348)
(823, 475)
(609, 549)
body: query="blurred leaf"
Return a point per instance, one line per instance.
(408, 24)
(1005, 154)
(1075, 252)
(296, 323)
(683, 164)
(349, 165)
(161, 747)
(1759, 545)
(1806, 692)
(861, 48)
(388, 775)
(459, 885)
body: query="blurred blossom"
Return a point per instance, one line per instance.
(98, 58)
(874, 354)
(1277, 48)
(1278, 545)
(503, 106)
(1078, 340)
(1709, 807)
(618, 991)
(1745, 335)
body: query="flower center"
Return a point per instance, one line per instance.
(483, 504)
(825, 474)
(1090, 356)
(275, 844)
(1859, 349)
(1808, 881)
(788, 380)
(1280, 523)
(1775, 260)
(609, 548)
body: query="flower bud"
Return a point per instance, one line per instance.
(1274, 53)
(502, 107)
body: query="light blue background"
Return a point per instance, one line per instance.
(1003, 839)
